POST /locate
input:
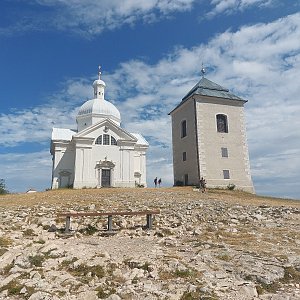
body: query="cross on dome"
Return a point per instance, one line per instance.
(99, 72)
(203, 70)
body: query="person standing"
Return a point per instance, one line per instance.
(202, 185)
(155, 182)
(159, 182)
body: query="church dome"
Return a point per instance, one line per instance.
(99, 82)
(100, 107)
(97, 109)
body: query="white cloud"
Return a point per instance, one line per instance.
(232, 6)
(91, 17)
(259, 62)
(23, 171)
(35, 124)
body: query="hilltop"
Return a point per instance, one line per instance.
(215, 245)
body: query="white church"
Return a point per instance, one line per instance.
(209, 138)
(100, 153)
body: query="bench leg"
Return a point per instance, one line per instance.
(149, 221)
(109, 226)
(68, 222)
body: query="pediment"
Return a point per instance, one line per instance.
(105, 126)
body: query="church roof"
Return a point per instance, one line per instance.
(62, 134)
(101, 107)
(97, 107)
(206, 87)
(140, 139)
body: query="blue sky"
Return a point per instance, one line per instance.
(151, 53)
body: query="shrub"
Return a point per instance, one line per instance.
(224, 256)
(7, 268)
(269, 288)
(29, 232)
(40, 241)
(36, 260)
(3, 189)
(4, 241)
(90, 230)
(192, 296)
(104, 293)
(2, 251)
(83, 270)
(13, 288)
(231, 186)
(139, 185)
(290, 275)
(184, 273)
(178, 183)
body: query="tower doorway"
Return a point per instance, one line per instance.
(186, 179)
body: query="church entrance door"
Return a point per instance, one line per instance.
(64, 181)
(105, 178)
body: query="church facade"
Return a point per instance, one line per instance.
(99, 153)
(209, 138)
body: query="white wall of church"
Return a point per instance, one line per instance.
(83, 122)
(116, 159)
(63, 165)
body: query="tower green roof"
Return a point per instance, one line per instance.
(206, 87)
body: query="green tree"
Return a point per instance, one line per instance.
(3, 189)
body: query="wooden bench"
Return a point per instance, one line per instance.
(149, 216)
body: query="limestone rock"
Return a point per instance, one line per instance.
(200, 246)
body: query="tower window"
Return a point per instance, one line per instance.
(183, 128)
(113, 141)
(99, 140)
(222, 124)
(184, 156)
(105, 139)
(224, 152)
(226, 174)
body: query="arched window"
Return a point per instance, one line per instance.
(105, 139)
(113, 141)
(99, 140)
(222, 124)
(183, 128)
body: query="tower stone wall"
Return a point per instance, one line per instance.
(215, 143)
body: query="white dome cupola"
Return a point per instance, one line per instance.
(99, 86)
(97, 109)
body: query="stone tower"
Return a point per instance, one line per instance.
(209, 138)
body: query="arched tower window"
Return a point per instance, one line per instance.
(183, 128)
(113, 141)
(222, 123)
(99, 140)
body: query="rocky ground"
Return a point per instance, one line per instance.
(214, 245)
